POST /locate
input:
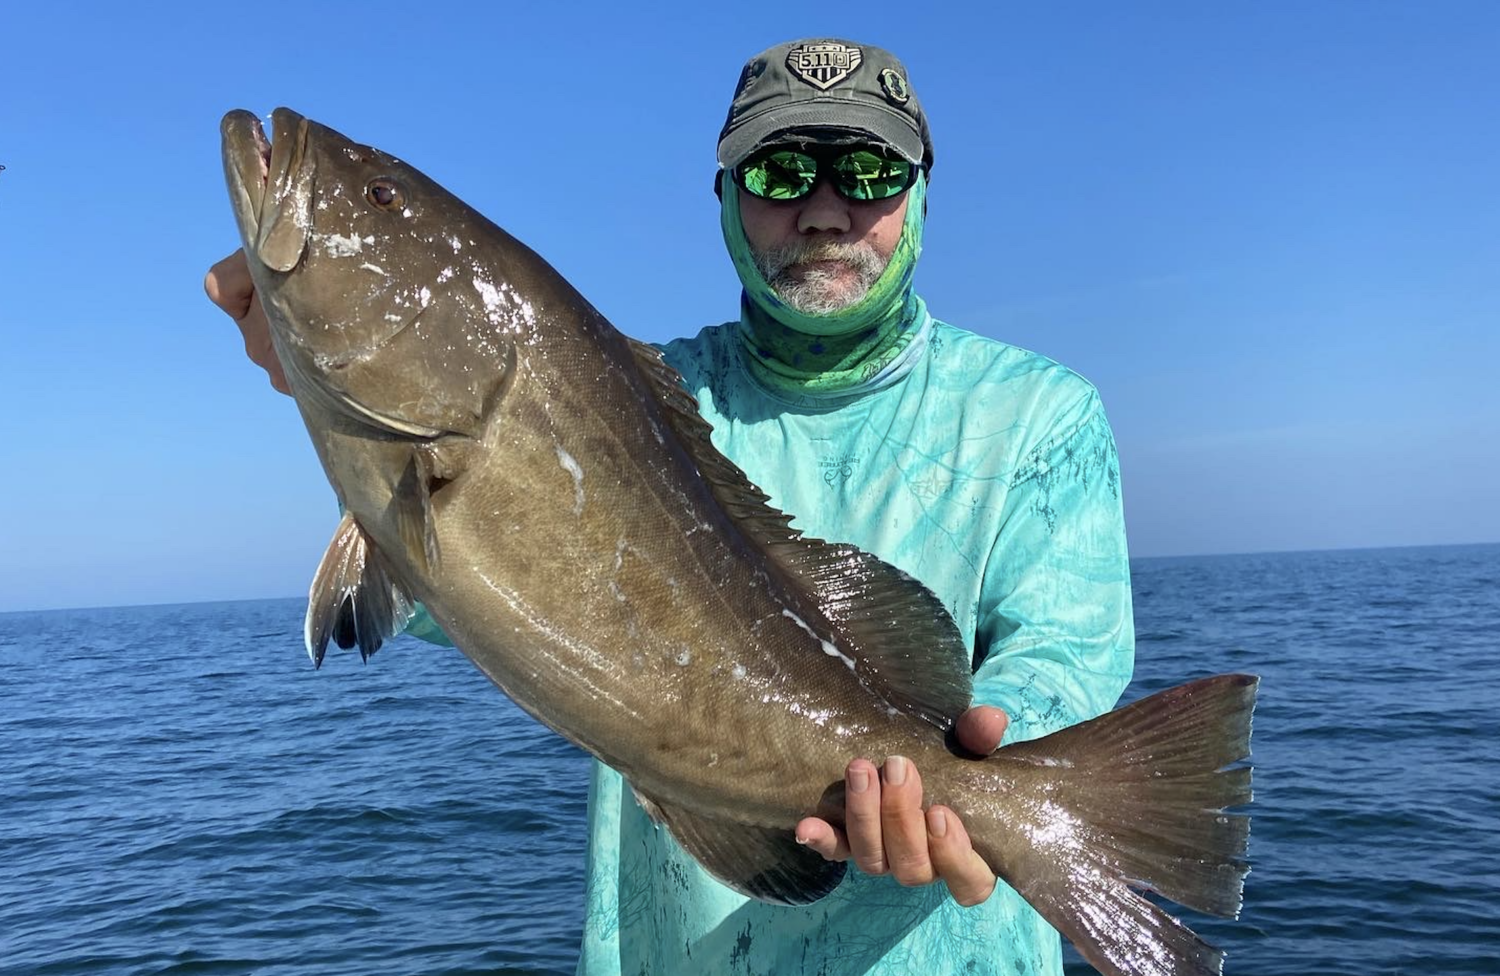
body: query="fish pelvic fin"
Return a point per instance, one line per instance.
(354, 599)
(1132, 801)
(765, 863)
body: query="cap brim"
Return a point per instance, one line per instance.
(854, 117)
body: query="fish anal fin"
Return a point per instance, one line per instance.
(354, 600)
(905, 645)
(764, 863)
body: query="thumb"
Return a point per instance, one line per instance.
(981, 728)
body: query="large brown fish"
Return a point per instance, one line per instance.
(546, 489)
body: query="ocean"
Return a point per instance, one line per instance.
(181, 793)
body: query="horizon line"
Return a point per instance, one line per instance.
(1133, 559)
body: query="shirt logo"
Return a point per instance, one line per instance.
(838, 469)
(823, 65)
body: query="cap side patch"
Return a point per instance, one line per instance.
(896, 89)
(825, 64)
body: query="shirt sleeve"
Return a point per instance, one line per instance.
(423, 627)
(1056, 636)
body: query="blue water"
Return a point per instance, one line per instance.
(181, 793)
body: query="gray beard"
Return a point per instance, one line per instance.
(814, 291)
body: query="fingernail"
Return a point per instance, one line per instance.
(859, 780)
(937, 822)
(895, 770)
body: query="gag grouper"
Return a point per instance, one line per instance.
(546, 488)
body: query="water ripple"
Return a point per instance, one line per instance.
(167, 807)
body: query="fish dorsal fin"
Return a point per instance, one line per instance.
(902, 641)
(354, 600)
(765, 863)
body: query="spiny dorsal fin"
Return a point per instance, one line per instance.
(905, 645)
(760, 862)
(353, 598)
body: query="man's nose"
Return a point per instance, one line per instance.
(824, 211)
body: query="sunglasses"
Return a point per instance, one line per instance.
(863, 174)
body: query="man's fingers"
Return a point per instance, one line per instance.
(229, 286)
(981, 728)
(823, 837)
(862, 816)
(887, 832)
(969, 879)
(902, 824)
(257, 341)
(257, 332)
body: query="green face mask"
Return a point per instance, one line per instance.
(837, 352)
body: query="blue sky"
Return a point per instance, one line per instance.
(1266, 231)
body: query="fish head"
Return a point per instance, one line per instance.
(380, 307)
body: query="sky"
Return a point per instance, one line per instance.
(1265, 231)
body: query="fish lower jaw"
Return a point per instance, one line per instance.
(247, 158)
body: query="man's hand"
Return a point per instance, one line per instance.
(886, 832)
(229, 286)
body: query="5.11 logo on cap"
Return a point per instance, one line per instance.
(823, 65)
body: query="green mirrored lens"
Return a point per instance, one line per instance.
(783, 175)
(865, 175)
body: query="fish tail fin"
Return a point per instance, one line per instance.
(1134, 799)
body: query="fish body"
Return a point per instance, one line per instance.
(546, 489)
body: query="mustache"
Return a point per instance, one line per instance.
(859, 255)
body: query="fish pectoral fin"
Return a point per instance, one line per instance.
(426, 474)
(434, 465)
(765, 863)
(354, 600)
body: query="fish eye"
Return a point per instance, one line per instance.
(385, 193)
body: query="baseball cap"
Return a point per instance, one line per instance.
(830, 89)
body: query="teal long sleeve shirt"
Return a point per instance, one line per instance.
(989, 473)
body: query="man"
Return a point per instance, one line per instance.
(986, 471)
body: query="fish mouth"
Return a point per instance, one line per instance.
(270, 184)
